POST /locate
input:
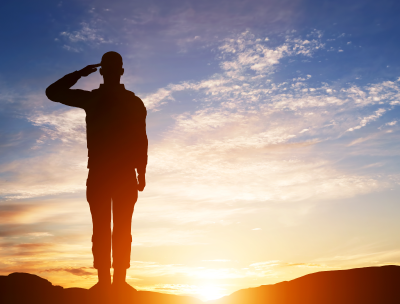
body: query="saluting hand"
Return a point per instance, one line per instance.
(89, 69)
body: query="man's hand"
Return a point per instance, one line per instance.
(89, 69)
(141, 182)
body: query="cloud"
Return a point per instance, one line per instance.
(144, 26)
(276, 263)
(243, 118)
(85, 34)
(9, 213)
(28, 249)
(28, 221)
(40, 234)
(389, 124)
(57, 162)
(67, 126)
(78, 271)
(43, 175)
(240, 56)
(365, 120)
(71, 49)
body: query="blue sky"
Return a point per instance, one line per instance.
(273, 129)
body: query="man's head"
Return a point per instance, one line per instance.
(111, 66)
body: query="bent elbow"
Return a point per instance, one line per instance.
(50, 93)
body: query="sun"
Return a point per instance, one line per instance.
(210, 292)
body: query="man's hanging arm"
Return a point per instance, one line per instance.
(141, 162)
(60, 90)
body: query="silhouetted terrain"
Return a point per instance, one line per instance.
(377, 285)
(27, 288)
(371, 285)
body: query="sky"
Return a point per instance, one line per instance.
(273, 139)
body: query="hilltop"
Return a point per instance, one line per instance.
(370, 285)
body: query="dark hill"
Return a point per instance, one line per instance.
(371, 285)
(25, 288)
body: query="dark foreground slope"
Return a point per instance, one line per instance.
(25, 288)
(371, 285)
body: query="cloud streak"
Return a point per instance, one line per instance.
(78, 271)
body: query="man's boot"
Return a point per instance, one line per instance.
(121, 290)
(101, 291)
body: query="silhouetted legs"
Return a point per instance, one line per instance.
(124, 198)
(104, 275)
(119, 275)
(111, 190)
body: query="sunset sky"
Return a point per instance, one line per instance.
(274, 138)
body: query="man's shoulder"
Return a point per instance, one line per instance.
(124, 91)
(131, 94)
(133, 97)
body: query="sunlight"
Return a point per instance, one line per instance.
(210, 292)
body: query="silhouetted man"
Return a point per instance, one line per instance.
(117, 145)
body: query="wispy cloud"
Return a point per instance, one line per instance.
(238, 57)
(29, 249)
(242, 114)
(365, 120)
(87, 33)
(78, 271)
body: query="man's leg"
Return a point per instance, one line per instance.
(124, 197)
(99, 198)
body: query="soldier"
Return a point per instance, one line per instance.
(117, 149)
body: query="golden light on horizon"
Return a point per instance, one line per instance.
(211, 292)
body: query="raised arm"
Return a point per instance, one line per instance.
(60, 90)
